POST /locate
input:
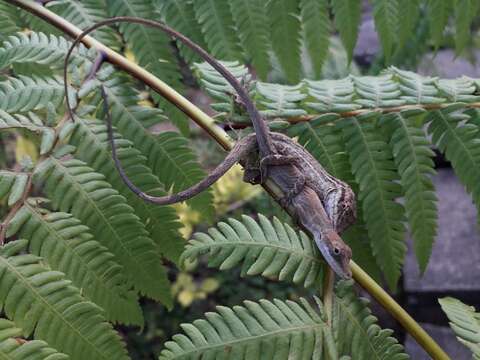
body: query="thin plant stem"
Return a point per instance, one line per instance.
(328, 285)
(219, 135)
(412, 327)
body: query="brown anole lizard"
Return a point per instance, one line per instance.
(322, 204)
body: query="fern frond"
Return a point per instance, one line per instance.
(11, 347)
(414, 161)
(316, 32)
(42, 302)
(356, 331)
(151, 47)
(465, 12)
(22, 93)
(287, 330)
(408, 12)
(347, 20)
(75, 188)
(41, 49)
(218, 28)
(326, 144)
(30, 122)
(69, 247)
(91, 141)
(252, 27)
(385, 14)
(465, 322)
(331, 95)
(84, 14)
(264, 330)
(439, 12)
(377, 91)
(180, 15)
(373, 168)
(217, 87)
(458, 90)
(9, 20)
(168, 154)
(459, 142)
(271, 249)
(417, 89)
(12, 184)
(280, 100)
(285, 29)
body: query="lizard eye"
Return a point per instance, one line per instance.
(336, 251)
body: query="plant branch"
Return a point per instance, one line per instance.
(328, 285)
(219, 135)
(413, 328)
(381, 110)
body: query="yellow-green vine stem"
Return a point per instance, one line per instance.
(413, 328)
(217, 133)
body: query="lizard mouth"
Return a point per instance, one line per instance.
(335, 264)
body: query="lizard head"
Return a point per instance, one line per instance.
(336, 253)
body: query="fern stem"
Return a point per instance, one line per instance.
(409, 324)
(328, 285)
(346, 114)
(208, 124)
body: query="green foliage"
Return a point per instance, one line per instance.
(252, 24)
(373, 167)
(150, 46)
(91, 141)
(316, 28)
(287, 329)
(356, 331)
(39, 49)
(273, 250)
(77, 189)
(413, 159)
(217, 26)
(12, 184)
(347, 18)
(409, 12)
(263, 330)
(90, 248)
(465, 323)
(439, 13)
(384, 157)
(236, 30)
(460, 144)
(23, 94)
(69, 247)
(465, 12)
(42, 301)
(9, 20)
(168, 154)
(180, 15)
(13, 347)
(85, 13)
(385, 13)
(285, 28)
